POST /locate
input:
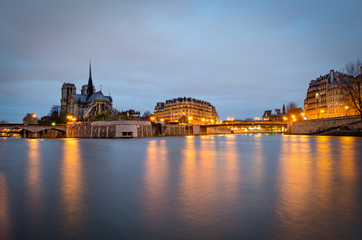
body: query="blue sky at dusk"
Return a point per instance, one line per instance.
(242, 56)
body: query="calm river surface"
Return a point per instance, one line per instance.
(212, 187)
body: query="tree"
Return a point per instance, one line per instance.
(30, 118)
(293, 112)
(146, 114)
(53, 116)
(102, 117)
(55, 111)
(183, 119)
(351, 86)
(291, 106)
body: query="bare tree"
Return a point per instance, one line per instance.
(351, 86)
(291, 106)
(146, 114)
(30, 118)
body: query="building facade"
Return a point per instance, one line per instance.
(87, 104)
(196, 111)
(277, 116)
(325, 98)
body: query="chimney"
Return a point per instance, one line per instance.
(331, 76)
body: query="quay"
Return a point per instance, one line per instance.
(124, 129)
(145, 129)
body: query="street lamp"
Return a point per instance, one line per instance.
(346, 107)
(190, 118)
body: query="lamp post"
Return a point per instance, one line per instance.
(346, 107)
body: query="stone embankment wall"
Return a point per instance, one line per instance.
(320, 125)
(126, 129)
(202, 130)
(47, 133)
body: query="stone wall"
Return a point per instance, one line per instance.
(218, 130)
(204, 130)
(320, 125)
(126, 129)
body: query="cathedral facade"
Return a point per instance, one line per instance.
(87, 104)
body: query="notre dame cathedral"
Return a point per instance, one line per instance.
(86, 104)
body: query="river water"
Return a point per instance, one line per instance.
(207, 187)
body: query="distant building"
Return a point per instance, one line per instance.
(325, 97)
(130, 113)
(277, 116)
(86, 104)
(267, 116)
(196, 111)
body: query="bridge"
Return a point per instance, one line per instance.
(33, 130)
(250, 126)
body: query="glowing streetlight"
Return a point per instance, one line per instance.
(152, 119)
(33, 116)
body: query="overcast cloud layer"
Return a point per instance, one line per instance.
(242, 56)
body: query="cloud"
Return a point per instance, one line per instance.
(242, 56)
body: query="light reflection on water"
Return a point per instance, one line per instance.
(5, 222)
(72, 189)
(208, 187)
(312, 193)
(33, 176)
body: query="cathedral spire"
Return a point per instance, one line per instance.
(90, 89)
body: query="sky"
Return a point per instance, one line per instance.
(244, 57)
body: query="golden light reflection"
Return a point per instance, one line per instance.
(294, 181)
(232, 172)
(33, 176)
(198, 182)
(5, 225)
(72, 187)
(156, 181)
(258, 160)
(348, 171)
(307, 192)
(208, 177)
(323, 163)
